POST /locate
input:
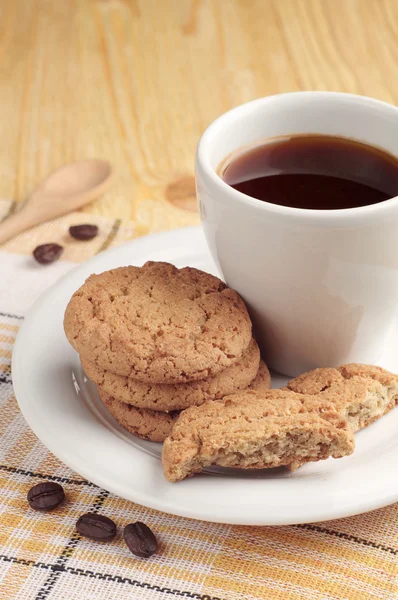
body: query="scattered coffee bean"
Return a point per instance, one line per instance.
(47, 253)
(46, 495)
(96, 527)
(83, 232)
(140, 539)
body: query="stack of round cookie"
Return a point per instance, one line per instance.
(157, 339)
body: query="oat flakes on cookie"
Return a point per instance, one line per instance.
(157, 323)
(361, 393)
(166, 397)
(254, 430)
(147, 424)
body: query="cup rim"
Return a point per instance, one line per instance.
(315, 215)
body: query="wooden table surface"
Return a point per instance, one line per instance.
(137, 82)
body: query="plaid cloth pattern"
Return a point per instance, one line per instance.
(43, 558)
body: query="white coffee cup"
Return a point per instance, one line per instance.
(321, 285)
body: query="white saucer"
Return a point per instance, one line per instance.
(63, 410)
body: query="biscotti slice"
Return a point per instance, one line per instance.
(147, 424)
(253, 430)
(157, 323)
(361, 393)
(168, 397)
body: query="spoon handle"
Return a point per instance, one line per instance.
(15, 224)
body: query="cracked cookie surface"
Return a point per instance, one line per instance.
(157, 323)
(361, 393)
(157, 425)
(146, 424)
(166, 397)
(255, 430)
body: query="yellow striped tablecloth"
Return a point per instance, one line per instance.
(43, 558)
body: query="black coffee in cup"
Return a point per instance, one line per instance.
(314, 172)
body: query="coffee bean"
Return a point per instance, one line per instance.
(46, 495)
(140, 539)
(47, 253)
(96, 527)
(83, 232)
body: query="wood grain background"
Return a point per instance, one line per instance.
(137, 82)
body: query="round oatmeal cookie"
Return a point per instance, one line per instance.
(262, 381)
(157, 323)
(165, 397)
(147, 424)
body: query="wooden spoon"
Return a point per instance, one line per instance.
(64, 191)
